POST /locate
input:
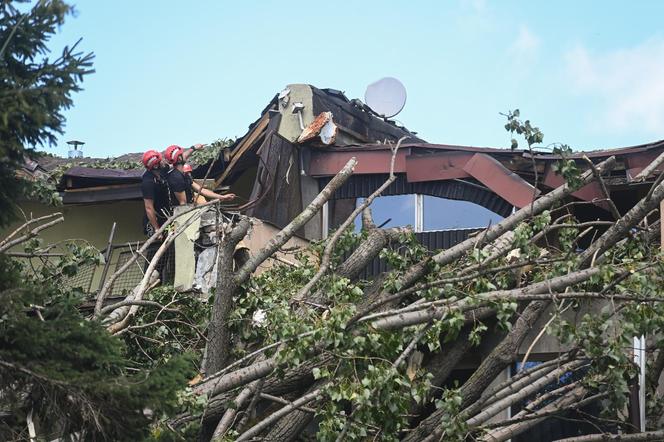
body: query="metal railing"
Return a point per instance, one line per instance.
(91, 278)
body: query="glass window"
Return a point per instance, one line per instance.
(391, 211)
(443, 214)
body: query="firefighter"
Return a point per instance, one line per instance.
(182, 187)
(158, 208)
(186, 169)
(156, 193)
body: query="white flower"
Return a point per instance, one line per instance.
(259, 317)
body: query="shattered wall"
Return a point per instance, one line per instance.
(260, 233)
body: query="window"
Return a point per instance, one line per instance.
(444, 214)
(391, 211)
(436, 213)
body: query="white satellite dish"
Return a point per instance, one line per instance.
(386, 97)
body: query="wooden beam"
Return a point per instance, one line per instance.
(244, 145)
(502, 181)
(329, 163)
(437, 166)
(590, 192)
(99, 188)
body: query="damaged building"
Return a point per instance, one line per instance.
(302, 138)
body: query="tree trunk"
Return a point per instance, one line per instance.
(502, 355)
(368, 250)
(291, 425)
(219, 337)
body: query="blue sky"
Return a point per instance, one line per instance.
(588, 73)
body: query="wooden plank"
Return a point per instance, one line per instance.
(244, 145)
(502, 181)
(114, 194)
(437, 166)
(326, 163)
(99, 188)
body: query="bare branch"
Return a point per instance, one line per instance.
(510, 431)
(331, 243)
(637, 437)
(8, 244)
(287, 232)
(650, 168)
(140, 252)
(146, 281)
(110, 308)
(520, 394)
(285, 402)
(256, 429)
(602, 185)
(492, 233)
(620, 229)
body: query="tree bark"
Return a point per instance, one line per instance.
(443, 362)
(219, 337)
(559, 404)
(637, 437)
(502, 355)
(228, 417)
(376, 241)
(424, 312)
(262, 425)
(518, 394)
(295, 379)
(292, 424)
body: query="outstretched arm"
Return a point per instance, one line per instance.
(191, 150)
(210, 194)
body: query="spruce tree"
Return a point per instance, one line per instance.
(65, 374)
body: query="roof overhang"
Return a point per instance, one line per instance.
(517, 176)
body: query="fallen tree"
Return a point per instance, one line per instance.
(376, 359)
(371, 359)
(380, 359)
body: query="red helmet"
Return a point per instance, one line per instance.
(151, 159)
(172, 153)
(186, 168)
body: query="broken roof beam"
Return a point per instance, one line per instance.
(437, 166)
(244, 145)
(329, 163)
(591, 192)
(656, 165)
(502, 181)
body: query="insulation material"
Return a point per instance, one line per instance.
(185, 261)
(322, 127)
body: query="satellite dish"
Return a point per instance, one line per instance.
(386, 97)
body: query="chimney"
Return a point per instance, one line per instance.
(75, 153)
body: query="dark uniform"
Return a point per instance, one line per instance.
(180, 182)
(156, 188)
